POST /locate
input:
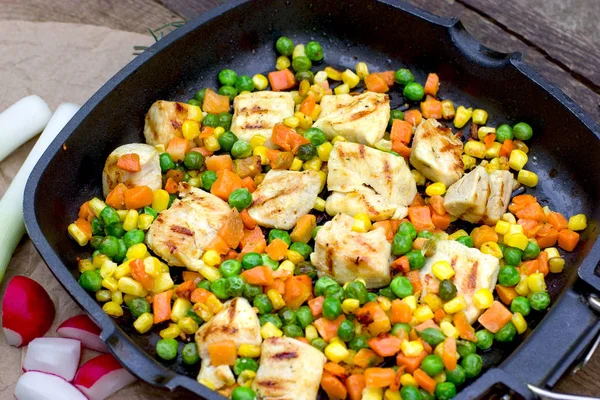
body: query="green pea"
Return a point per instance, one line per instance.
(465, 241)
(205, 284)
(445, 391)
(357, 290)
(225, 120)
(227, 77)
(307, 151)
(200, 95)
(292, 331)
(244, 84)
(95, 241)
(305, 268)
(319, 343)
(316, 136)
(251, 260)
(208, 178)
(193, 160)
(335, 291)
(508, 276)
(332, 308)
(416, 259)
(227, 140)
(432, 365)
(425, 395)
(346, 330)
(456, 376)
(539, 301)
(504, 132)
(314, 51)
(115, 229)
(432, 336)
(234, 285)
(408, 229)
(305, 76)
(388, 293)
(322, 284)
(512, 255)
(109, 215)
(521, 305)
(507, 333)
(401, 244)
(464, 347)
(447, 290)
(150, 211)
(485, 339)
(410, 393)
(425, 235)
(241, 149)
(531, 251)
(244, 363)
(134, 236)
(403, 76)
(301, 63)
(522, 131)
(97, 226)
(280, 234)
(228, 91)
(269, 262)
(251, 291)
(301, 248)
(189, 354)
(109, 246)
(359, 342)
(371, 297)
(472, 365)
(287, 315)
(413, 91)
(401, 287)
(166, 162)
(304, 316)
(263, 304)
(194, 316)
(121, 252)
(315, 231)
(240, 198)
(243, 393)
(284, 46)
(395, 114)
(400, 327)
(194, 102)
(91, 280)
(212, 120)
(272, 318)
(218, 288)
(167, 349)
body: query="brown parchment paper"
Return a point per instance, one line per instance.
(59, 62)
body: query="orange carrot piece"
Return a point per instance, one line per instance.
(302, 232)
(401, 148)
(401, 264)
(542, 259)
(401, 312)
(85, 211)
(439, 315)
(191, 276)
(207, 131)
(532, 211)
(171, 186)
(420, 217)
(296, 292)
(546, 235)
(328, 328)
(366, 358)
(355, 385)
(233, 230)
(138, 272)
(307, 107)
(449, 356)
(218, 163)
(385, 345)
(129, 162)
(507, 147)
(334, 388)
(215, 103)
(253, 241)
(440, 221)
(219, 245)
(410, 363)
(379, 377)
(225, 184)
(437, 203)
(402, 131)
(567, 239)
(557, 220)
(424, 381)
(185, 289)
(85, 227)
(335, 369)
(161, 306)
(413, 117)
(277, 249)
(506, 293)
(116, 197)
(138, 197)
(200, 295)
(483, 234)
(281, 80)
(432, 84)
(464, 328)
(388, 77)
(249, 184)
(262, 275)
(247, 220)
(529, 267)
(376, 83)
(223, 352)
(426, 324)
(287, 138)
(174, 174)
(316, 306)
(495, 317)
(177, 148)
(431, 108)
(415, 279)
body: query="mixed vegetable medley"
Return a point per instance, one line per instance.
(320, 234)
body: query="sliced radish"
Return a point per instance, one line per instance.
(102, 376)
(27, 311)
(35, 385)
(82, 328)
(58, 356)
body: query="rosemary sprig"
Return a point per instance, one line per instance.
(159, 33)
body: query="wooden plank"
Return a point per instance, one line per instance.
(190, 9)
(127, 15)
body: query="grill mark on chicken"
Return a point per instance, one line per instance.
(361, 150)
(232, 310)
(453, 261)
(386, 171)
(260, 125)
(172, 246)
(269, 384)
(175, 124)
(286, 355)
(472, 279)
(181, 229)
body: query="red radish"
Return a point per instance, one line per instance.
(58, 356)
(27, 311)
(35, 385)
(102, 376)
(82, 328)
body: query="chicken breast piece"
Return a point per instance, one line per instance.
(220, 376)
(368, 180)
(346, 255)
(164, 120)
(474, 270)
(150, 174)
(256, 113)
(236, 321)
(283, 197)
(437, 153)
(289, 370)
(468, 197)
(501, 186)
(188, 226)
(362, 118)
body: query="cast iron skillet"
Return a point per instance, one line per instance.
(387, 35)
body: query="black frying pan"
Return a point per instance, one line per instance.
(386, 35)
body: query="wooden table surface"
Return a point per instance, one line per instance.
(559, 38)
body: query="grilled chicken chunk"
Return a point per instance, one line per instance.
(219, 376)
(368, 180)
(346, 255)
(164, 120)
(467, 198)
(150, 175)
(474, 270)
(256, 113)
(436, 153)
(501, 186)
(283, 197)
(362, 118)
(182, 231)
(289, 370)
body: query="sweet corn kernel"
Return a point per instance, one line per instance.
(323, 179)
(517, 159)
(257, 140)
(207, 383)
(458, 234)
(411, 301)
(180, 308)
(188, 325)
(433, 301)
(212, 258)
(219, 130)
(336, 339)
(282, 63)
(333, 74)
(97, 206)
(98, 260)
(442, 270)
(296, 164)
(108, 268)
(112, 309)
(362, 223)
(493, 165)
(212, 144)
(304, 121)
(384, 303)
(136, 251)
(324, 150)
(520, 145)
(350, 78)
(202, 311)
(276, 299)
(314, 164)
(342, 89)
(418, 177)
(249, 350)
(77, 234)
(519, 322)
(349, 306)
(130, 286)
(246, 378)
(261, 151)
(319, 204)
(491, 248)
(163, 282)
(556, 265)
(423, 313)
(408, 380)
(298, 51)
(362, 70)
(372, 393)
(494, 152)
(161, 147)
(515, 229)
(392, 395)
(336, 352)
(190, 129)
(552, 252)
(310, 332)
(320, 77)
(502, 227)
(103, 295)
(455, 305)
(194, 114)
(577, 222)
(483, 298)
(338, 139)
(303, 88)
(269, 330)
(318, 91)
(436, 189)
(463, 115)
(483, 131)
(536, 282)
(110, 283)
(122, 214)
(85, 265)
(214, 305)
(517, 240)
(475, 149)
(480, 116)
(527, 178)
(468, 162)
(144, 221)
(448, 111)
(152, 266)
(448, 329)
(291, 122)
(411, 348)
(171, 332)
(260, 81)
(522, 287)
(144, 323)
(122, 270)
(131, 220)
(508, 217)
(294, 257)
